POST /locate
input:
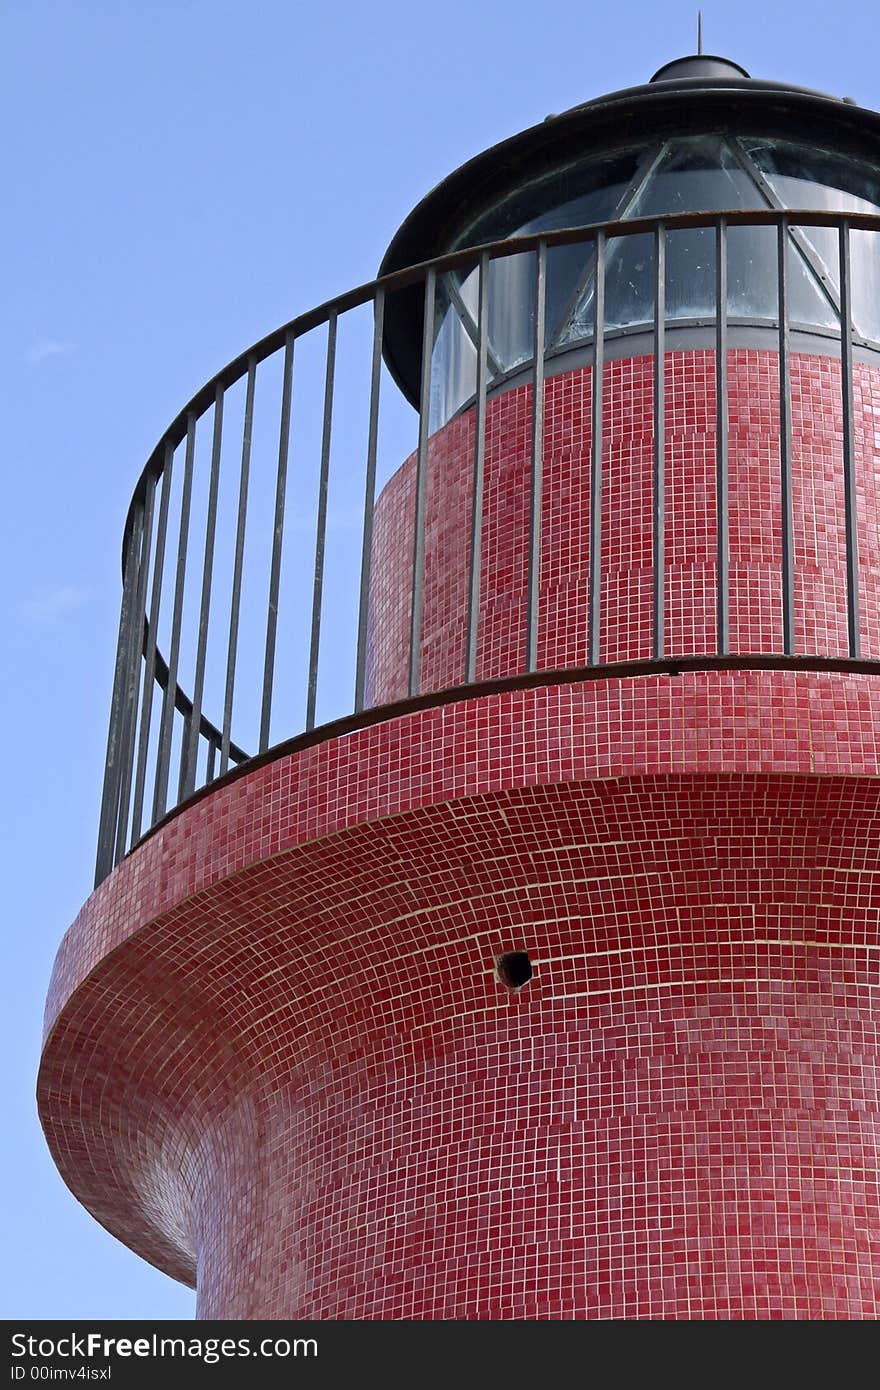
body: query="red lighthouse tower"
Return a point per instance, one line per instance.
(541, 981)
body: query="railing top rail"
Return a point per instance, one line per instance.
(525, 680)
(219, 497)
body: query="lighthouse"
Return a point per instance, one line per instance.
(539, 981)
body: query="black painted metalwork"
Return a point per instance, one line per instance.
(321, 522)
(534, 680)
(130, 707)
(189, 752)
(418, 569)
(476, 550)
(849, 466)
(125, 645)
(156, 736)
(536, 469)
(238, 563)
(369, 500)
(659, 515)
(277, 542)
(722, 587)
(150, 646)
(782, 245)
(689, 97)
(596, 452)
(163, 767)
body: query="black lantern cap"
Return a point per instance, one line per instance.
(693, 95)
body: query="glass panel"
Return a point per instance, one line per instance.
(697, 175)
(690, 274)
(467, 282)
(569, 268)
(752, 272)
(629, 282)
(807, 302)
(512, 309)
(629, 288)
(581, 193)
(864, 252)
(800, 174)
(812, 179)
(822, 242)
(691, 174)
(568, 271)
(453, 362)
(599, 205)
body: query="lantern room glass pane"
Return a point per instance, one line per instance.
(864, 251)
(690, 174)
(696, 175)
(582, 192)
(453, 362)
(512, 309)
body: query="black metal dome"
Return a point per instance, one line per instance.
(703, 65)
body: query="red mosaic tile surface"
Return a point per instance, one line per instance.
(278, 1060)
(755, 557)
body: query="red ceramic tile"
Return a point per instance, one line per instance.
(690, 536)
(278, 1061)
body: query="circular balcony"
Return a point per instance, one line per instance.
(297, 563)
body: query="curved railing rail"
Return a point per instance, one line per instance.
(310, 403)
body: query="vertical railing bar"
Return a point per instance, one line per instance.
(476, 551)
(722, 593)
(369, 500)
(137, 809)
(186, 740)
(536, 478)
(211, 757)
(849, 472)
(127, 743)
(277, 541)
(163, 761)
(321, 522)
(418, 578)
(782, 233)
(126, 636)
(659, 516)
(190, 754)
(238, 563)
(597, 446)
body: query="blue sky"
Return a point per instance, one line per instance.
(179, 179)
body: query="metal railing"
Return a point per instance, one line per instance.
(189, 646)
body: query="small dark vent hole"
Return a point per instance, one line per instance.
(514, 969)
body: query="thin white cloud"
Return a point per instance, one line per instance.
(45, 607)
(44, 348)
